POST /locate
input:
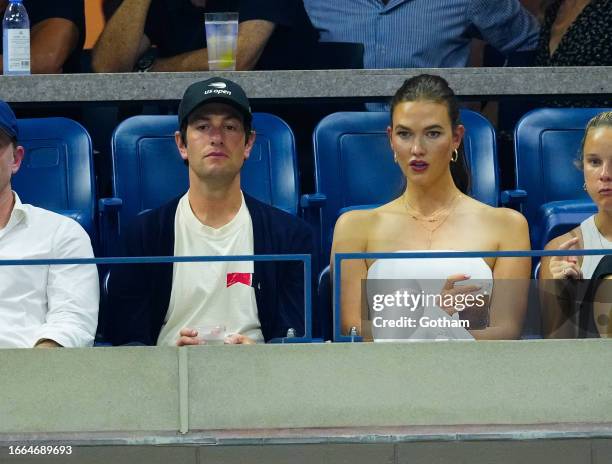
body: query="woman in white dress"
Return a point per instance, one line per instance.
(435, 213)
(558, 306)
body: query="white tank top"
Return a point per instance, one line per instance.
(425, 276)
(592, 240)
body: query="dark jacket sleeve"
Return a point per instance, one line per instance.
(129, 295)
(290, 302)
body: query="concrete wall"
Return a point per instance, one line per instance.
(305, 386)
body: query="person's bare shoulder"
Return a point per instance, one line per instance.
(353, 229)
(507, 224)
(509, 219)
(494, 216)
(354, 224)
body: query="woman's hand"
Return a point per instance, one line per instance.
(565, 267)
(449, 292)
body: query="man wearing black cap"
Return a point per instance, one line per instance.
(178, 304)
(41, 306)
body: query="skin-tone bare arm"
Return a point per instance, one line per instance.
(123, 39)
(252, 38)
(52, 41)
(511, 276)
(350, 236)
(556, 292)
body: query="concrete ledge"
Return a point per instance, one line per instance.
(361, 85)
(353, 435)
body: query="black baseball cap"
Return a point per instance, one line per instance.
(215, 89)
(8, 121)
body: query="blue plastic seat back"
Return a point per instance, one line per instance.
(148, 170)
(547, 142)
(559, 217)
(354, 164)
(57, 171)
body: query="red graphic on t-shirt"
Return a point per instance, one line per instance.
(239, 278)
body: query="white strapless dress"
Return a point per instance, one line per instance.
(424, 276)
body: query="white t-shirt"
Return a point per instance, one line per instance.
(58, 302)
(211, 293)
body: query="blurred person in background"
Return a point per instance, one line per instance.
(169, 35)
(423, 34)
(575, 33)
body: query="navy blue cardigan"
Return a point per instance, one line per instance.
(139, 294)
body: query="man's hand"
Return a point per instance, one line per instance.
(238, 339)
(46, 343)
(187, 337)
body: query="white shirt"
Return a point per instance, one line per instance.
(592, 240)
(207, 293)
(58, 302)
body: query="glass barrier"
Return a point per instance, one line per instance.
(452, 295)
(135, 301)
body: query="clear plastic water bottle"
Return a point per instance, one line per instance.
(16, 39)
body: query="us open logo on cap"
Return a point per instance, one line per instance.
(218, 85)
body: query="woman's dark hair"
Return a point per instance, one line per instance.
(427, 87)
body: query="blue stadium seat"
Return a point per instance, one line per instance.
(559, 217)
(57, 172)
(148, 170)
(547, 142)
(354, 165)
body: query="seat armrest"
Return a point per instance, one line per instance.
(513, 197)
(313, 200)
(108, 205)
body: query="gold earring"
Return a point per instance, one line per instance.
(395, 157)
(455, 156)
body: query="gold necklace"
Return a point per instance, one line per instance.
(435, 220)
